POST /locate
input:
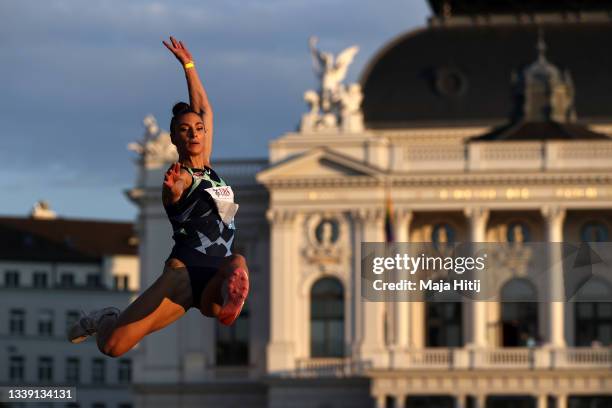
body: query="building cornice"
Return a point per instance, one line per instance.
(467, 179)
(521, 18)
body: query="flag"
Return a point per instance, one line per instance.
(389, 236)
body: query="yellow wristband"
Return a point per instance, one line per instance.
(188, 65)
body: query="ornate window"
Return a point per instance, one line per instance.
(441, 234)
(518, 232)
(444, 320)
(594, 231)
(327, 318)
(519, 314)
(593, 314)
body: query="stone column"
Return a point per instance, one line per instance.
(542, 401)
(475, 312)
(461, 401)
(283, 269)
(417, 325)
(400, 341)
(553, 323)
(562, 401)
(400, 401)
(355, 282)
(371, 343)
(480, 401)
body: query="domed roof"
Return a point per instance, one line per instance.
(461, 74)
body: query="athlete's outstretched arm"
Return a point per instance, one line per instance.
(176, 181)
(198, 99)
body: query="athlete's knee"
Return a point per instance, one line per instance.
(120, 341)
(237, 258)
(113, 347)
(113, 352)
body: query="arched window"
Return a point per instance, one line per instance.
(593, 314)
(594, 231)
(327, 318)
(519, 313)
(442, 234)
(518, 232)
(444, 319)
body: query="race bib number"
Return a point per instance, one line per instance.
(221, 193)
(224, 200)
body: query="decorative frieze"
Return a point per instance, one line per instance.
(280, 215)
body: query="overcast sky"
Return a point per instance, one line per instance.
(77, 78)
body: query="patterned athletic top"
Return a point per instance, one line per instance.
(195, 218)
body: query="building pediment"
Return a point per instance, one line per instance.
(319, 164)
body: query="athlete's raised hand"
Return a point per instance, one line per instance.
(172, 176)
(179, 50)
(174, 184)
(198, 99)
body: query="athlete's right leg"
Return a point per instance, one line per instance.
(224, 296)
(161, 304)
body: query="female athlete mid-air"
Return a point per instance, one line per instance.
(201, 270)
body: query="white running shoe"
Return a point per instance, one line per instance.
(87, 325)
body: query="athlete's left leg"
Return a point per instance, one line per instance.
(161, 304)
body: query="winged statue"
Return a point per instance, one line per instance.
(331, 71)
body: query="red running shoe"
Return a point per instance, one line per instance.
(235, 290)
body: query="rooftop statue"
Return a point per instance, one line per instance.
(155, 148)
(334, 104)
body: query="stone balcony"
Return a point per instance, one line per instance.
(539, 358)
(506, 156)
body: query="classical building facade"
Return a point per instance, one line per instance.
(490, 124)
